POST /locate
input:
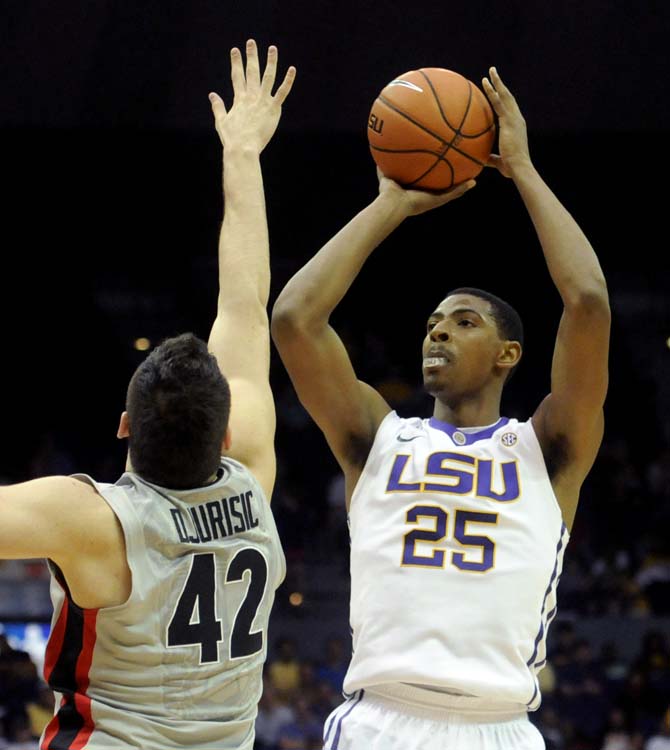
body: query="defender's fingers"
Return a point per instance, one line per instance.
(236, 71)
(218, 107)
(270, 70)
(253, 70)
(286, 85)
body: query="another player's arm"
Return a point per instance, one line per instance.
(347, 410)
(569, 422)
(240, 337)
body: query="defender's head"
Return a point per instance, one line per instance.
(178, 405)
(473, 338)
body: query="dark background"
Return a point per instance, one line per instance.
(110, 217)
(113, 201)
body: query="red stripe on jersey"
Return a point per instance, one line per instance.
(51, 730)
(88, 644)
(82, 701)
(55, 643)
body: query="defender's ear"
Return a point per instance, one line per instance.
(124, 426)
(227, 440)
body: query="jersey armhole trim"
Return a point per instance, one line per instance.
(392, 415)
(538, 449)
(132, 536)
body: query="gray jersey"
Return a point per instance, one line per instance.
(180, 663)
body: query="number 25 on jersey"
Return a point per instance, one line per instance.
(423, 546)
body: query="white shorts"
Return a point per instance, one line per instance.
(371, 722)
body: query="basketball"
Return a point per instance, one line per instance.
(431, 129)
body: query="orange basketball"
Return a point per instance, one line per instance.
(431, 129)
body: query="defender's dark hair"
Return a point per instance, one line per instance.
(506, 317)
(178, 405)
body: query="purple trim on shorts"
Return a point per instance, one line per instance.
(331, 722)
(336, 740)
(336, 713)
(471, 437)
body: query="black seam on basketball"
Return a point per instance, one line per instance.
(392, 106)
(440, 157)
(439, 104)
(447, 147)
(474, 136)
(407, 150)
(431, 168)
(467, 109)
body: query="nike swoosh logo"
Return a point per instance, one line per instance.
(408, 440)
(406, 84)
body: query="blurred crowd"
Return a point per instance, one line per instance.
(26, 702)
(593, 699)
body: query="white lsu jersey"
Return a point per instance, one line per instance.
(457, 543)
(180, 663)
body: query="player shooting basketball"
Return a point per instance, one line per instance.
(458, 522)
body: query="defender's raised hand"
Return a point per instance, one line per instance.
(253, 118)
(512, 135)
